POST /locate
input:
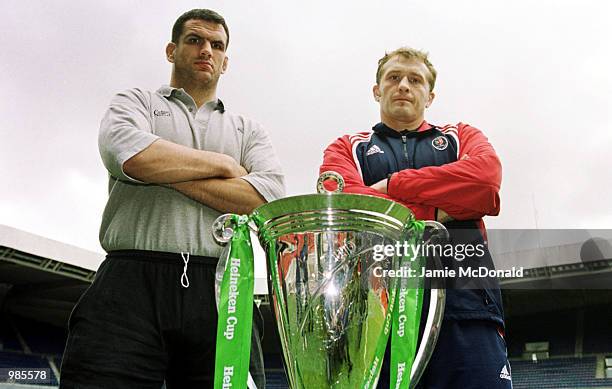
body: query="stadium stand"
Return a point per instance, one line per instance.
(42, 338)
(40, 281)
(538, 327)
(8, 338)
(10, 360)
(557, 373)
(276, 379)
(598, 330)
(275, 374)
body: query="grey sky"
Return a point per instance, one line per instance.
(534, 76)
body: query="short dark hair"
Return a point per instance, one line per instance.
(198, 14)
(409, 53)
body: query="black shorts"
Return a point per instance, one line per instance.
(137, 326)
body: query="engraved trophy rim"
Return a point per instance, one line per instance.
(330, 206)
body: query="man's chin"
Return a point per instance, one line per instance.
(403, 114)
(203, 76)
(205, 79)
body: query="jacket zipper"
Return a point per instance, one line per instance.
(405, 148)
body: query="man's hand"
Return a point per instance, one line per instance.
(238, 171)
(443, 217)
(380, 186)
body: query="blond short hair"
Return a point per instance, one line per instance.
(409, 53)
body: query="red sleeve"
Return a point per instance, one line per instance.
(465, 189)
(339, 157)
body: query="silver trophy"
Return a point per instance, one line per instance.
(331, 295)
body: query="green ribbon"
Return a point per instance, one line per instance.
(403, 318)
(407, 314)
(235, 311)
(371, 375)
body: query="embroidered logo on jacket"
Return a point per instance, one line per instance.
(374, 150)
(159, 112)
(440, 143)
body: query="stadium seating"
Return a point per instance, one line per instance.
(275, 374)
(542, 328)
(43, 341)
(276, 379)
(10, 359)
(597, 330)
(42, 338)
(8, 338)
(557, 373)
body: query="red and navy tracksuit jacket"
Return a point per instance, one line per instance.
(453, 168)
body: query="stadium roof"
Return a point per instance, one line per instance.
(48, 248)
(554, 259)
(42, 278)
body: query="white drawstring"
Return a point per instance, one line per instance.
(184, 279)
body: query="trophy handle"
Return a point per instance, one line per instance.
(330, 175)
(221, 229)
(435, 314)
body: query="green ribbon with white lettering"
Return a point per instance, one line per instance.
(407, 312)
(371, 375)
(403, 317)
(235, 311)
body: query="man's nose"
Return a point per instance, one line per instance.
(404, 85)
(206, 49)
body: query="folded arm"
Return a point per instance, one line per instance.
(263, 183)
(164, 162)
(131, 152)
(465, 189)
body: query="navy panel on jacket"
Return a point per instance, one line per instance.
(388, 152)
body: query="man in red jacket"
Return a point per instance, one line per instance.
(447, 173)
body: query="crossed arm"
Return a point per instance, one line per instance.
(165, 162)
(210, 178)
(466, 189)
(339, 158)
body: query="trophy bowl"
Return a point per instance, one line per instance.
(331, 297)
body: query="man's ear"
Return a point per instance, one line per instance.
(430, 100)
(170, 47)
(224, 66)
(376, 92)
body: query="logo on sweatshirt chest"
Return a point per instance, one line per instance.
(374, 150)
(440, 143)
(161, 112)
